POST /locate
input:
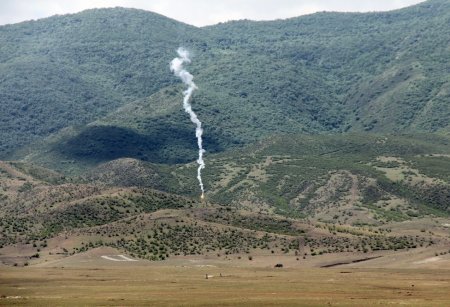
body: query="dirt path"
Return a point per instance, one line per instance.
(354, 190)
(13, 172)
(428, 260)
(118, 258)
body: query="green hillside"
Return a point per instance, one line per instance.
(337, 72)
(103, 75)
(69, 70)
(350, 178)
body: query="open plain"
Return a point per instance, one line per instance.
(90, 279)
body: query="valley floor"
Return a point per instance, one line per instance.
(91, 279)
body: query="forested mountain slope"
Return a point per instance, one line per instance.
(326, 72)
(69, 70)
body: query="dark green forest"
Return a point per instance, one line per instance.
(98, 85)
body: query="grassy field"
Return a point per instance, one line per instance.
(136, 285)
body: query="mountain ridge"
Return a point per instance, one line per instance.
(321, 73)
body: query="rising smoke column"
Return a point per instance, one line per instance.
(176, 66)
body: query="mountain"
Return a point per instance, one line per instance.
(69, 70)
(325, 134)
(100, 79)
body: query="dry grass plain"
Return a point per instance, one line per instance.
(183, 283)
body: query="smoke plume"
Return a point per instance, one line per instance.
(176, 66)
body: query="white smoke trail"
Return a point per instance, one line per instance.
(176, 66)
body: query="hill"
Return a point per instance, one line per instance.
(108, 87)
(354, 179)
(48, 220)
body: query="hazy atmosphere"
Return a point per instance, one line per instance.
(197, 12)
